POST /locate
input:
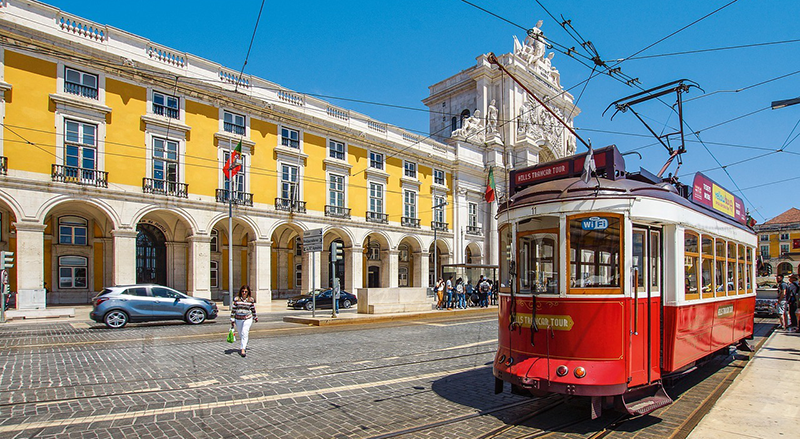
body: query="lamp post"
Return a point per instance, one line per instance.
(435, 245)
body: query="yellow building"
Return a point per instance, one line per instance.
(779, 243)
(113, 149)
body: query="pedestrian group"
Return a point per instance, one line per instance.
(788, 294)
(461, 295)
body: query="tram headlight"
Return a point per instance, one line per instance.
(580, 372)
(501, 359)
(509, 362)
(562, 370)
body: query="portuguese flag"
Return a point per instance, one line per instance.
(490, 190)
(233, 165)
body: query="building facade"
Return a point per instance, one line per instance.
(779, 243)
(113, 147)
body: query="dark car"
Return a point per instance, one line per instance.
(306, 301)
(116, 306)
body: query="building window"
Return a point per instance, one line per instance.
(298, 246)
(402, 277)
(784, 236)
(403, 253)
(410, 204)
(72, 272)
(80, 83)
(233, 123)
(374, 252)
(438, 176)
(594, 254)
(290, 138)
(214, 240)
(289, 182)
(80, 146)
(336, 149)
(298, 276)
(239, 179)
(765, 238)
(784, 248)
(166, 105)
(453, 124)
(765, 252)
(472, 215)
(72, 230)
(336, 190)
(376, 198)
(165, 160)
(438, 213)
(376, 160)
(410, 169)
(214, 274)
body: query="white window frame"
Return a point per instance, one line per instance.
(437, 173)
(784, 236)
(409, 167)
(375, 199)
(299, 139)
(298, 183)
(340, 192)
(472, 214)
(241, 182)
(409, 204)
(214, 274)
(784, 248)
(233, 115)
(80, 144)
(214, 243)
(439, 214)
(101, 84)
(80, 84)
(72, 269)
(178, 158)
(179, 107)
(764, 238)
(764, 251)
(334, 153)
(372, 160)
(73, 223)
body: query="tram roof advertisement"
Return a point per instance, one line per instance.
(706, 192)
(608, 161)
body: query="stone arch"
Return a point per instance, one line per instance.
(245, 219)
(180, 214)
(12, 205)
(474, 251)
(287, 259)
(98, 206)
(785, 268)
(244, 267)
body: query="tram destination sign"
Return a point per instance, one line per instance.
(713, 196)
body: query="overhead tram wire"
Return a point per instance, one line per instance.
(250, 47)
(716, 49)
(758, 84)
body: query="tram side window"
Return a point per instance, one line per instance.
(690, 262)
(594, 252)
(749, 270)
(707, 266)
(740, 270)
(655, 259)
(721, 262)
(505, 257)
(538, 263)
(731, 282)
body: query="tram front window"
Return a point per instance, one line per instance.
(538, 263)
(594, 252)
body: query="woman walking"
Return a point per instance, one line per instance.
(243, 314)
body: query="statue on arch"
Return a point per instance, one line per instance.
(491, 118)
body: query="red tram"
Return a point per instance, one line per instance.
(608, 286)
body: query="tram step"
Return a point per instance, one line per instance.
(644, 400)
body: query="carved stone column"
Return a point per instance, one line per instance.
(261, 270)
(176, 265)
(124, 259)
(29, 264)
(421, 269)
(353, 266)
(199, 284)
(390, 265)
(284, 271)
(308, 273)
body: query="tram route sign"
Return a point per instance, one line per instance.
(708, 193)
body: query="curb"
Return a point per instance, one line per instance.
(373, 318)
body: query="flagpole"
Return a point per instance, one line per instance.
(230, 242)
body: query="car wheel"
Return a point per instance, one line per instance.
(346, 304)
(116, 319)
(309, 306)
(195, 316)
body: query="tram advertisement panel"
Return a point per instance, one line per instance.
(708, 193)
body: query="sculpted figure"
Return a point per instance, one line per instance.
(491, 118)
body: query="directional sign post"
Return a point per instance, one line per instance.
(312, 242)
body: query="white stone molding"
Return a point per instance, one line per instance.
(199, 275)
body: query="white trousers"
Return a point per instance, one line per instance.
(243, 329)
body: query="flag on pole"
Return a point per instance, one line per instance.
(490, 189)
(233, 165)
(588, 166)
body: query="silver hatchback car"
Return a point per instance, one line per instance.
(118, 305)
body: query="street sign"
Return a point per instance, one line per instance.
(312, 240)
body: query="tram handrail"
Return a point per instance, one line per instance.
(635, 301)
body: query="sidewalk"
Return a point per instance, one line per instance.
(80, 313)
(762, 401)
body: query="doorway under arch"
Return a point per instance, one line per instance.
(151, 255)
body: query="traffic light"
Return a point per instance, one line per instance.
(6, 260)
(337, 251)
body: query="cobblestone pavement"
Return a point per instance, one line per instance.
(79, 380)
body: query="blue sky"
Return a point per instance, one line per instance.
(390, 52)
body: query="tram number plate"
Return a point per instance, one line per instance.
(594, 223)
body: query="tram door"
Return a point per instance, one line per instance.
(645, 313)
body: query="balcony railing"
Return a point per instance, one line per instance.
(80, 90)
(337, 212)
(375, 217)
(163, 187)
(475, 230)
(69, 174)
(239, 198)
(438, 225)
(163, 110)
(3, 165)
(287, 205)
(409, 222)
(233, 128)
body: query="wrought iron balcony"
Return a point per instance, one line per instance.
(163, 187)
(375, 217)
(438, 225)
(233, 128)
(409, 222)
(163, 110)
(86, 177)
(337, 211)
(287, 205)
(475, 230)
(3, 165)
(80, 90)
(239, 198)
